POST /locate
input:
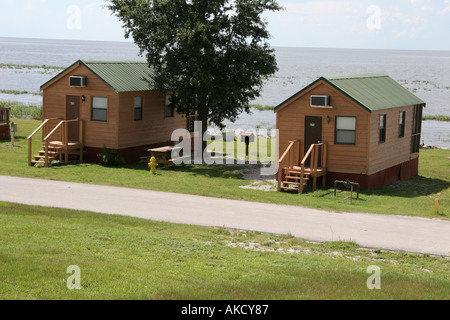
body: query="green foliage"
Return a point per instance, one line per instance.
(23, 111)
(18, 92)
(213, 55)
(110, 158)
(43, 69)
(437, 118)
(262, 108)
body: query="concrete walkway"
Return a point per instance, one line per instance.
(368, 230)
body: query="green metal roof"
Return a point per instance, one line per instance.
(371, 91)
(121, 76)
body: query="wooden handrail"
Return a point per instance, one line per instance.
(314, 153)
(289, 152)
(39, 128)
(45, 140)
(4, 115)
(307, 155)
(291, 144)
(53, 131)
(30, 140)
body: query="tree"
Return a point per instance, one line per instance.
(212, 55)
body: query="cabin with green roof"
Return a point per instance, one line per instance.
(92, 104)
(359, 128)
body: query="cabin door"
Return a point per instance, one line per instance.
(313, 134)
(73, 113)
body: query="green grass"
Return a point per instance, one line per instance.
(29, 67)
(20, 111)
(437, 118)
(262, 108)
(415, 197)
(17, 92)
(128, 258)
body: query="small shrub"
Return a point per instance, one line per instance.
(110, 158)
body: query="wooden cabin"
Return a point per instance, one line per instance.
(4, 124)
(92, 104)
(361, 128)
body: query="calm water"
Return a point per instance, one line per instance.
(426, 73)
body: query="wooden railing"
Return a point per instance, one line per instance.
(289, 159)
(318, 155)
(315, 152)
(30, 140)
(63, 136)
(4, 115)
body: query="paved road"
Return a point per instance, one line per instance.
(368, 230)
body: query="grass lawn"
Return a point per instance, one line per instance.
(415, 197)
(127, 258)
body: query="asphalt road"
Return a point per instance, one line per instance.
(368, 230)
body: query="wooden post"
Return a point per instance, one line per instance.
(66, 133)
(80, 135)
(280, 173)
(46, 154)
(30, 151)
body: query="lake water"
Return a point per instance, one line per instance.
(425, 73)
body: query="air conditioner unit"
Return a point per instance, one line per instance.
(77, 81)
(320, 101)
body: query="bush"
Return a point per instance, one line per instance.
(23, 111)
(110, 158)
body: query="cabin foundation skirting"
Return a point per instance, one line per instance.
(5, 132)
(130, 155)
(404, 171)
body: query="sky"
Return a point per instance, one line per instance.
(368, 24)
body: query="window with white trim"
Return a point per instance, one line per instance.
(99, 109)
(345, 132)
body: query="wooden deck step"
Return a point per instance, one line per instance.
(293, 183)
(297, 178)
(43, 157)
(49, 152)
(34, 162)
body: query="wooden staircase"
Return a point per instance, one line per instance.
(295, 178)
(55, 143)
(54, 153)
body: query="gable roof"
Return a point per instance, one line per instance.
(371, 91)
(121, 76)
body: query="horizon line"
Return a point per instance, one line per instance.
(274, 47)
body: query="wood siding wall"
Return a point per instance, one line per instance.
(121, 130)
(341, 158)
(154, 127)
(395, 150)
(96, 133)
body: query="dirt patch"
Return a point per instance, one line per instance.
(259, 182)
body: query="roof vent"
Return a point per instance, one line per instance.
(320, 101)
(77, 81)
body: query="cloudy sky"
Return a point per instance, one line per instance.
(374, 24)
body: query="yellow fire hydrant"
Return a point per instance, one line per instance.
(152, 165)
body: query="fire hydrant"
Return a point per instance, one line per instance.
(152, 165)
